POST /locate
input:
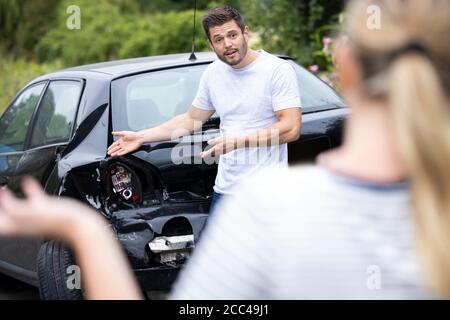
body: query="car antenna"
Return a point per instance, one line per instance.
(193, 57)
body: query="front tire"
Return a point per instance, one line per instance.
(54, 260)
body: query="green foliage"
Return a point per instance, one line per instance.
(24, 22)
(113, 29)
(107, 33)
(237, 4)
(293, 27)
(9, 14)
(17, 73)
(157, 6)
(162, 34)
(34, 38)
(98, 39)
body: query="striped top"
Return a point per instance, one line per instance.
(307, 233)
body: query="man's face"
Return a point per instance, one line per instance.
(229, 42)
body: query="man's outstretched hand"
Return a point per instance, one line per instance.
(128, 142)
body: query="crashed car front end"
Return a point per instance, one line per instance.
(157, 228)
(156, 208)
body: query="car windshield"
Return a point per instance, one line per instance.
(147, 100)
(314, 93)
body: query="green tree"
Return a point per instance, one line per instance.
(160, 6)
(292, 26)
(163, 34)
(10, 11)
(24, 22)
(19, 72)
(97, 40)
(111, 30)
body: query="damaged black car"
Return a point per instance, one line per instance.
(58, 129)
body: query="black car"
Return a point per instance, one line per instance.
(58, 129)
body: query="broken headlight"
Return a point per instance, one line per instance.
(125, 183)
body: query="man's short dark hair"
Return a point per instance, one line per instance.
(218, 16)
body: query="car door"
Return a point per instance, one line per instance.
(50, 132)
(14, 127)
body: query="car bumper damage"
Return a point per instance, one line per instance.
(157, 229)
(156, 209)
(158, 241)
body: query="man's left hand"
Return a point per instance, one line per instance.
(221, 145)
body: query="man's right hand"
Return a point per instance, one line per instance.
(129, 141)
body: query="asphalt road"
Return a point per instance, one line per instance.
(11, 289)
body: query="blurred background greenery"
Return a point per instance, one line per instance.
(35, 40)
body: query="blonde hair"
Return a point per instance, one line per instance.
(416, 85)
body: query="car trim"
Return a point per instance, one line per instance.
(85, 128)
(162, 68)
(27, 141)
(52, 145)
(19, 273)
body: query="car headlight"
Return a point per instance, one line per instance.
(125, 183)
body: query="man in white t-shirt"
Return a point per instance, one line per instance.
(254, 93)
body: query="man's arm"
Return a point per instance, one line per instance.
(187, 122)
(285, 130)
(176, 127)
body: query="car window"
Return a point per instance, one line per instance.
(147, 100)
(313, 92)
(16, 119)
(56, 113)
(150, 99)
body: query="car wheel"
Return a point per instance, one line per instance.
(55, 265)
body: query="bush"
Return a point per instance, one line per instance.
(23, 23)
(108, 32)
(98, 39)
(162, 34)
(110, 29)
(16, 74)
(291, 27)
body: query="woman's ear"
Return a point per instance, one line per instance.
(347, 67)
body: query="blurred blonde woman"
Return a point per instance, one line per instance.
(370, 221)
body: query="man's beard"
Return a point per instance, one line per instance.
(241, 52)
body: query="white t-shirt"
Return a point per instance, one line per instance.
(246, 100)
(307, 233)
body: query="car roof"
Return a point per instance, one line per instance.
(120, 68)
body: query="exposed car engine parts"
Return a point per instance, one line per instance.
(172, 250)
